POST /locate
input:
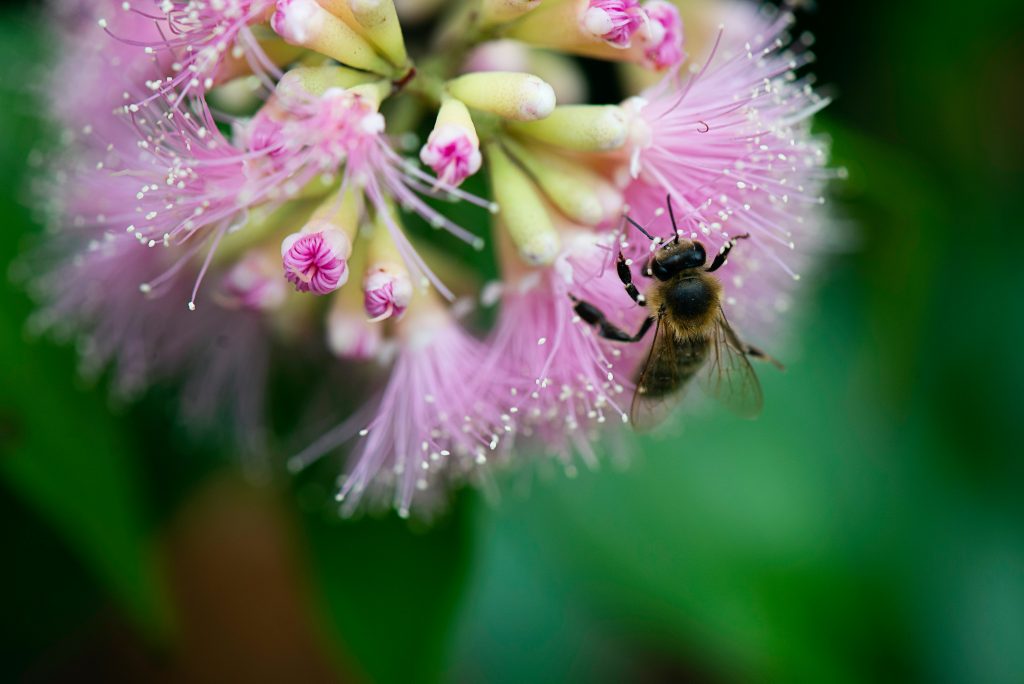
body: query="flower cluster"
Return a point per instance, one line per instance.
(241, 184)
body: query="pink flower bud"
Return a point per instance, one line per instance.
(254, 283)
(264, 133)
(316, 261)
(453, 153)
(662, 35)
(613, 21)
(387, 293)
(295, 20)
(350, 336)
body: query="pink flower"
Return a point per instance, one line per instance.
(613, 21)
(732, 148)
(91, 71)
(570, 382)
(218, 356)
(155, 189)
(316, 261)
(199, 36)
(438, 420)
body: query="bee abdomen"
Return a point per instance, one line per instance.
(669, 373)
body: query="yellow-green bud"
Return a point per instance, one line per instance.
(319, 79)
(494, 12)
(307, 24)
(582, 195)
(585, 128)
(379, 23)
(509, 94)
(522, 209)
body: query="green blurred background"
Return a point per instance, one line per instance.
(870, 526)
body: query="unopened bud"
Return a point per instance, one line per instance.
(318, 80)
(613, 21)
(387, 285)
(662, 35)
(512, 95)
(453, 149)
(307, 24)
(583, 195)
(254, 282)
(316, 261)
(494, 12)
(374, 20)
(387, 291)
(604, 29)
(523, 210)
(316, 258)
(585, 128)
(350, 336)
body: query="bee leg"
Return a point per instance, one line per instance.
(723, 253)
(593, 316)
(626, 276)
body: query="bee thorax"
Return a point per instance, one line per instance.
(690, 298)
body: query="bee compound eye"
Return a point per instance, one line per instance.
(700, 256)
(660, 270)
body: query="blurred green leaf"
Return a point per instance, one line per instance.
(60, 449)
(389, 591)
(47, 592)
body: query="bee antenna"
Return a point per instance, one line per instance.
(640, 228)
(672, 217)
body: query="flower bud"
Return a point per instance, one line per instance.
(319, 79)
(316, 258)
(387, 285)
(594, 28)
(254, 283)
(613, 21)
(380, 22)
(350, 336)
(307, 24)
(585, 128)
(387, 290)
(662, 35)
(522, 209)
(494, 12)
(452, 149)
(582, 195)
(512, 95)
(374, 20)
(561, 72)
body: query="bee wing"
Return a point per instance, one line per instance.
(728, 375)
(651, 405)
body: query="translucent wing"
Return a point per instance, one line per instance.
(728, 375)
(658, 385)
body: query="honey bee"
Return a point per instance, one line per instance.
(692, 338)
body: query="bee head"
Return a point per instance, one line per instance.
(676, 257)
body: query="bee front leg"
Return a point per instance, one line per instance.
(626, 276)
(593, 316)
(723, 254)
